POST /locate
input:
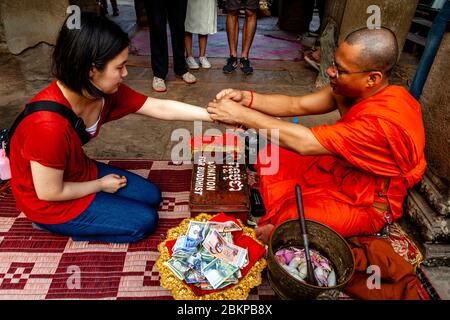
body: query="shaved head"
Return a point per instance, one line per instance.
(379, 48)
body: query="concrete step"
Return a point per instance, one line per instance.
(437, 254)
(422, 21)
(418, 39)
(433, 227)
(440, 280)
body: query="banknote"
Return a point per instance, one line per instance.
(227, 226)
(177, 267)
(225, 251)
(207, 286)
(184, 247)
(195, 261)
(194, 277)
(218, 271)
(195, 230)
(227, 236)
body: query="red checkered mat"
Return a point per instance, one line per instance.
(35, 264)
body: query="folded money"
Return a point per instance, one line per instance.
(227, 226)
(185, 246)
(177, 267)
(225, 251)
(218, 271)
(199, 230)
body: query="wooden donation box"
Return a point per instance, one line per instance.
(219, 187)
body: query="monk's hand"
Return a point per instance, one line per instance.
(225, 110)
(233, 94)
(263, 232)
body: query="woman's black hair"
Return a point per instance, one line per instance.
(97, 42)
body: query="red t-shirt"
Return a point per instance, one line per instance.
(48, 138)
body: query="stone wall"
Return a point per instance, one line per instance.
(30, 28)
(3, 45)
(30, 22)
(295, 16)
(86, 5)
(429, 204)
(346, 16)
(395, 15)
(436, 113)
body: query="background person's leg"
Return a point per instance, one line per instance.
(249, 32)
(321, 5)
(202, 41)
(232, 34)
(115, 8)
(137, 188)
(176, 11)
(110, 218)
(157, 20)
(233, 31)
(190, 60)
(188, 44)
(103, 7)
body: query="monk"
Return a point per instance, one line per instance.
(355, 173)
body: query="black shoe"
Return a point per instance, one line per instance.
(116, 13)
(231, 65)
(245, 66)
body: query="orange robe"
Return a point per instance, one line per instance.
(381, 139)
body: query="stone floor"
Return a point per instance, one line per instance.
(140, 137)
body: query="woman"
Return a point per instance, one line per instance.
(54, 183)
(201, 19)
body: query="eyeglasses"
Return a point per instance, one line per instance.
(337, 71)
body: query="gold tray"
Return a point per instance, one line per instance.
(181, 291)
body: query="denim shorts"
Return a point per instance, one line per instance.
(242, 4)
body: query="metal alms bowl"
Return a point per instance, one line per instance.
(321, 238)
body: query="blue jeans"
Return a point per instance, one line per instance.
(129, 215)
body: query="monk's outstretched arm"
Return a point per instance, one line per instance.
(292, 136)
(281, 105)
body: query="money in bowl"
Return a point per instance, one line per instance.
(328, 248)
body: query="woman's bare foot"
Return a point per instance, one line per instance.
(263, 232)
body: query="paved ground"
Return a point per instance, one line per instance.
(139, 137)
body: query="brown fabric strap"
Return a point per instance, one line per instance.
(383, 206)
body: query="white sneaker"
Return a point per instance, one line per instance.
(204, 62)
(191, 63)
(188, 77)
(159, 85)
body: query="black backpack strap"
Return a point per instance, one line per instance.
(75, 121)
